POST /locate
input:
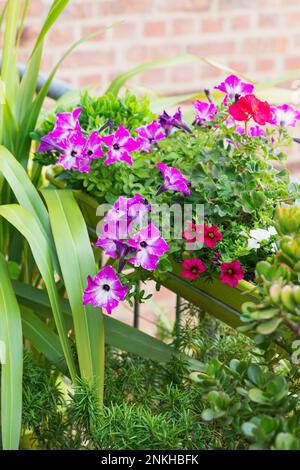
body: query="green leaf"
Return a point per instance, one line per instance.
(286, 441)
(77, 263)
(11, 343)
(43, 339)
(118, 334)
(27, 87)
(268, 327)
(27, 196)
(27, 225)
(256, 395)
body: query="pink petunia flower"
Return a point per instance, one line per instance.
(212, 235)
(192, 268)
(121, 144)
(149, 134)
(249, 107)
(149, 247)
(174, 180)
(234, 87)
(231, 273)
(205, 112)
(68, 121)
(285, 115)
(105, 290)
(72, 150)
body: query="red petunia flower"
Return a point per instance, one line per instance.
(192, 268)
(211, 235)
(231, 273)
(248, 107)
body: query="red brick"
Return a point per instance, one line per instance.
(186, 5)
(268, 20)
(87, 80)
(61, 35)
(212, 48)
(263, 45)
(125, 30)
(239, 66)
(292, 63)
(90, 58)
(154, 29)
(183, 26)
(183, 74)
(122, 7)
(212, 25)
(239, 22)
(264, 65)
(293, 19)
(86, 30)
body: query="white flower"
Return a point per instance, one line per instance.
(272, 230)
(260, 234)
(253, 244)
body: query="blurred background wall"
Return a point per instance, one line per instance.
(260, 38)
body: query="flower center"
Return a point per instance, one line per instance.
(73, 153)
(106, 287)
(143, 244)
(230, 271)
(116, 147)
(194, 270)
(90, 152)
(211, 235)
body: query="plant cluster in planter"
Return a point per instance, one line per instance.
(230, 160)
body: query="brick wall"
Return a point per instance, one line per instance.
(260, 38)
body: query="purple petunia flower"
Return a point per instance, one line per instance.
(66, 124)
(174, 180)
(105, 290)
(234, 88)
(148, 135)
(149, 247)
(109, 245)
(92, 150)
(50, 141)
(256, 131)
(121, 144)
(125, 214)
(205, 112)
(285, 115)
(168, 123)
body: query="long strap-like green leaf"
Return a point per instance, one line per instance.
(11, 344)
(26, 223)
(77, 262)
(27, 196)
